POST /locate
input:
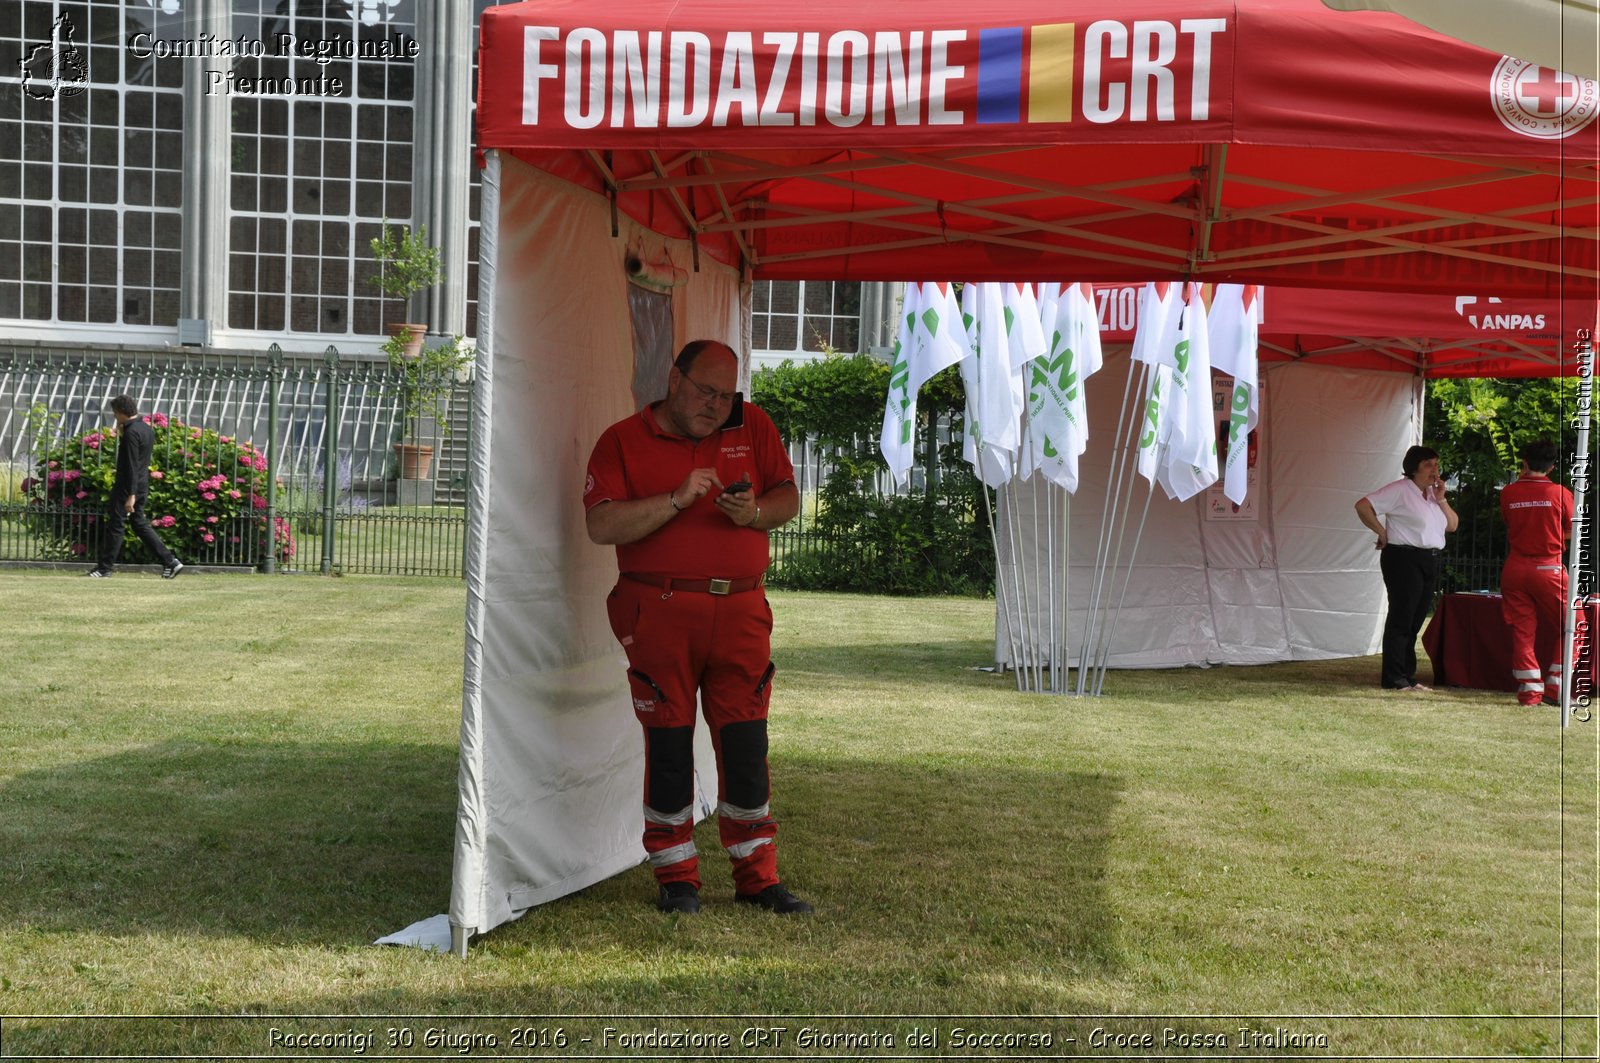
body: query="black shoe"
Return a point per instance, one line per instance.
(1548, 700)
(96, 573)
(775, 898)
(172, 569)
(679, 897)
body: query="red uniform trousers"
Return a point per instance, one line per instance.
(1533, 593)
(683, 642)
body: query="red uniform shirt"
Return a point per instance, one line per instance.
(635, 458)
(1537, 513)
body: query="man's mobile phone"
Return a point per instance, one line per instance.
(742, 485)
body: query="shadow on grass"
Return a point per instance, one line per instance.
(925, 875)
(287, 842)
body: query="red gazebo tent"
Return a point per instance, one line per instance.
(1266, 141)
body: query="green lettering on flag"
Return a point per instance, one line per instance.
(1152, 416)
(1240, 415)
(1063, 365)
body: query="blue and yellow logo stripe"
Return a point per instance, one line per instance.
(1013, 59)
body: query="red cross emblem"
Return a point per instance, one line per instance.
(1546, 89)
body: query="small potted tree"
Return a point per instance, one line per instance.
(407, 263)
(424, 377)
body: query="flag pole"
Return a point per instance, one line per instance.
(1038, 621)
(989, 509)
(1116, 613)
(1014, 539)
(1066, 576)
(1097, 574)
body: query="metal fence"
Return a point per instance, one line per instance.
(1476, 551)
(314, 459)
(339, 499)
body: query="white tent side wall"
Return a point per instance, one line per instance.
(552, 762)
(1301, 582)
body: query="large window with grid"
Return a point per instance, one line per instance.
(792, 317)
(91, 165)
(315, 177)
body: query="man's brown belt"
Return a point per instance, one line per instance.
(701, 586)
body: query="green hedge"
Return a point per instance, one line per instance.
(933, 542)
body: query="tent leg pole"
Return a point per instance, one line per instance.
(459, 936)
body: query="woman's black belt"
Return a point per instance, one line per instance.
(1418, 549)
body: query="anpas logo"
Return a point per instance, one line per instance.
(1539, 102)
(1495, 321)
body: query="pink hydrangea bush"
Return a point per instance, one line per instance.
(207, 496)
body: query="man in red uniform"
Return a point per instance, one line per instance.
(687, 490)
(1533, 584)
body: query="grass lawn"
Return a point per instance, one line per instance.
(215, 791)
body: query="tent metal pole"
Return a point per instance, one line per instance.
(1580, 485)
(1098, 573)
(459, 936)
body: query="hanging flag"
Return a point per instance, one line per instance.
(994, 412)
(900, 409)
(1024, 335)
(1155, 306)
(1057, 414)
(1235, 324)
(1189, 464)
(930, 338)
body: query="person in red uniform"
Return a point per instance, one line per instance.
(1533, 584)
(687, 490)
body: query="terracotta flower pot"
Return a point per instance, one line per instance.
(418, 333)
(416, 460)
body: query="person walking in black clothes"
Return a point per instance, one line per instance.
(135, 441)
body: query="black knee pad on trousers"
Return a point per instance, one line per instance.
(669, 760)
(744, 763)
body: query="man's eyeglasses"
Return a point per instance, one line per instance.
(709, 394)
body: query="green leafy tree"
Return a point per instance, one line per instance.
(1478, 426)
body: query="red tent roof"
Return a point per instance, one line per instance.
(1267, 141)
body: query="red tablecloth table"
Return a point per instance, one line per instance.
(1470, 646)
